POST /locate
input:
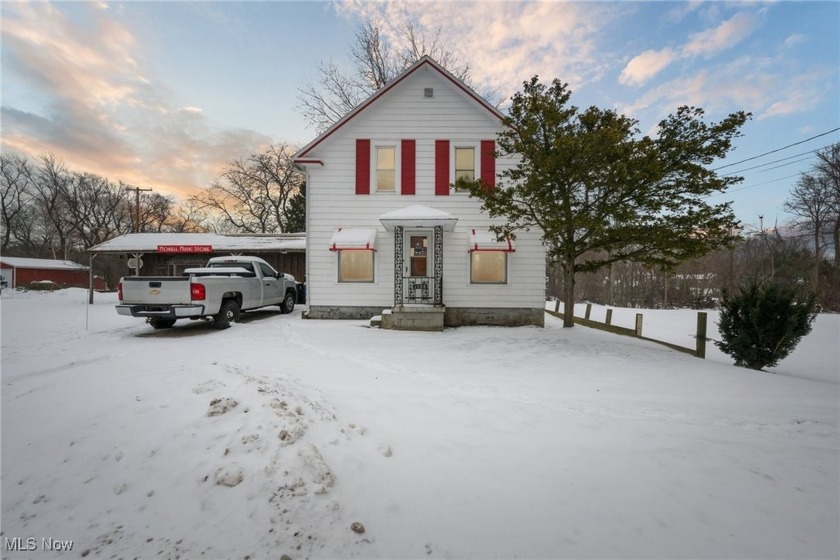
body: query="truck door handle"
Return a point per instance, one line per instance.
(154, 284)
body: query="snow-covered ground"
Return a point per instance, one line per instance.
(275, 436)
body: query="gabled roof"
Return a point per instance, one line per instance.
(425, 60)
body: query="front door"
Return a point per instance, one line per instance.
(419, 269)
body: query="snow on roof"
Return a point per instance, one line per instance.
(23, 262)
(353, 238)
(483, 240)
(418, 215)
(150, 242)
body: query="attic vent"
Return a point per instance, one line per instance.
(428, 92)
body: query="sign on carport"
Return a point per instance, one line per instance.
(185, 248)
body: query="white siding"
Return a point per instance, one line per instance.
(403, 113)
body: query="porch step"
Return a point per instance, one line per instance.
(405, 318)
(376, 321)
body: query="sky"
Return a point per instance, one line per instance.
(163, 94)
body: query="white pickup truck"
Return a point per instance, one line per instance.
(226, 286)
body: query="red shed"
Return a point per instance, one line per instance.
(19, 271)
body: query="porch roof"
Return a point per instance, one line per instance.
(418, 215)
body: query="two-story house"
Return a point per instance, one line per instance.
(387, 232)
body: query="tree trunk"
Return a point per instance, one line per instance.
(817, 259)
(569, 294)
(837, 244)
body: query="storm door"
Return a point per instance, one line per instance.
(419, 267)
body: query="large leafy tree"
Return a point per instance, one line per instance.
(602, 193)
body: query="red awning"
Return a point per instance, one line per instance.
(486, 241)
(353, 239)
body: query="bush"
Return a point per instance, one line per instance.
(763, 322)
(41, 286)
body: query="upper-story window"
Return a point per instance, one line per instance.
(465, 163)
(386, 168)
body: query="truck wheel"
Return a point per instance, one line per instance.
(288, 304)
(158, 323)
(229, 313)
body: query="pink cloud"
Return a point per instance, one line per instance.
(646, 65)
(726, 35)
(102, 111)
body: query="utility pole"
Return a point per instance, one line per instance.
(137, 191)
(770, 249)
(137, 256)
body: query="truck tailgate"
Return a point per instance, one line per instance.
(151, 290)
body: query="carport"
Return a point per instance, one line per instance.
(168, 254)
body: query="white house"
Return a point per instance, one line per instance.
(388, 234)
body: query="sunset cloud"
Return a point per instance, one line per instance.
(708, 42)
(758, 85)
(725, 36)
(508, 44)
(98, 108)
(646, 65)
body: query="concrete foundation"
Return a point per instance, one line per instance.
(432, 318)
(494, 316)
(341, 312)
(426, 318)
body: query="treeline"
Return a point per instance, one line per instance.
(784, 257)
(51, 211)
(803, 253)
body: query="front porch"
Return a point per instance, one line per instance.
(418, 250)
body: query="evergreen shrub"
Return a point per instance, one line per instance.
(762, 322)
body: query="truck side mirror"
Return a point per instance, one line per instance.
(279, 275)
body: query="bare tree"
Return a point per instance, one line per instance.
(375, 62)
(51, 180)
(828, 167)
(96, 206)
(811, 202)
(187, 217)
(15, 197)
(252, 195)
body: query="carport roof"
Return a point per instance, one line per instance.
(24, 262)
(152, 242)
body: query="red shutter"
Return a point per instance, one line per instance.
(362, 166)
(407, 162)
(488, 163)
(441, 167)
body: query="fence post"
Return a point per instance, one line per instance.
(557, 305)
(639, 325)
(588, 311)
(702, 320)
(609, 317)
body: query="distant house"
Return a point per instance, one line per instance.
(387, 231)
(20, 271)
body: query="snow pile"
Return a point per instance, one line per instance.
(326, 439)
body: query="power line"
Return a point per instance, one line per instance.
(784, 164)
(776, 150)
(775, 161)
(753, 186)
